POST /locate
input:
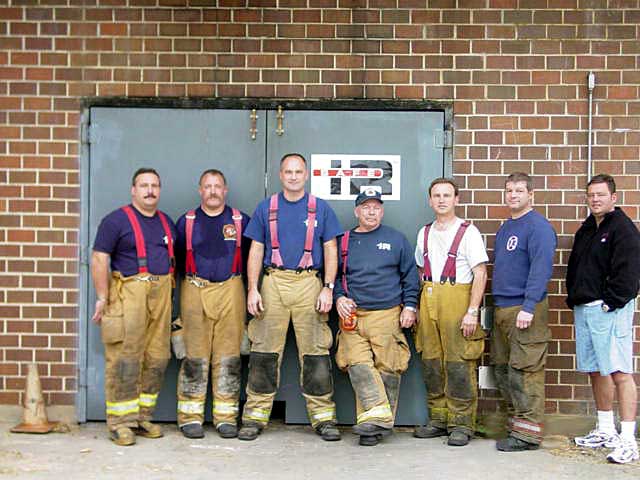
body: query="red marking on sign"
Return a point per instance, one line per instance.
(348, 172)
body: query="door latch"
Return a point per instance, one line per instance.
(254, 127)
(280, 118)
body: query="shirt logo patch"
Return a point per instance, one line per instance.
(306, 223)
(512, 243)
(229, 231)
(384, 246)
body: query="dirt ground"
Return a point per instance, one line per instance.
(289, 452)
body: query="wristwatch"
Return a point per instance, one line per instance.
(412, 309)
(473, 311)
(329, 285)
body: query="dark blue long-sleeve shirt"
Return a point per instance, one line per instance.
(523, 262)
(381, 272)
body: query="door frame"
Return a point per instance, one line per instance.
(207, 104)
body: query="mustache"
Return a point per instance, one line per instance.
(151, 195)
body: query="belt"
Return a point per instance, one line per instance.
(268, 270)
(201, 282)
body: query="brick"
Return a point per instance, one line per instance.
(276, 46)
(501, 62)
(350, 31)
(379, 31)
(425, 46)
(439, 61)
(366, 46)
(292, 60)
(439, 31)
(349, 91)
(319, 61)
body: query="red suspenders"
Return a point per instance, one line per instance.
(236, 268)
(344, 253)
(449, 270)
(190, 263)
(307, 260)
(141, 249)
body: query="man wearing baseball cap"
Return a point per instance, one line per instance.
(376, 294)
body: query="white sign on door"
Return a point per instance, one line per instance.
(344, 176)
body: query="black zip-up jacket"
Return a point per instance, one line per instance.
(604, 262)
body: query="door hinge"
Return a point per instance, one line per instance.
(82, 377)
(85, 133)
(84, 255)
(443, 138)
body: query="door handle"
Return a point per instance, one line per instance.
(280, 118)
(254, 126)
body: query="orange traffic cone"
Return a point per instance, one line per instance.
(34, 415)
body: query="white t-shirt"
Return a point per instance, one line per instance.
(471, 251)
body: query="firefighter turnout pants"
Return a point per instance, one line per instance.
(375, 355)
(213, 316)
(519, 356)
(448, 358)
(288, 295)
(135, 329)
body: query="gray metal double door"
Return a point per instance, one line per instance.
(181, 143)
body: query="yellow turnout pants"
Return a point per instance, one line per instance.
(449, 359)
(375, 355)
(135, 329)
(213, 316)
(290, 296)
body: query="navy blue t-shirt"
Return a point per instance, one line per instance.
(381, 271)
(523, 262)
(214, 244)
(292, 230)
(115, 236)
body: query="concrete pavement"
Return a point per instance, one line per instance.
(288, 452)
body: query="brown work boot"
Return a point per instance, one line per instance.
(148, 430)
(329, 432)
(429, 431)
(122, 436)
(249, 432)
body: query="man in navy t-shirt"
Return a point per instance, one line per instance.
(376, 295)
(293, 239)
(132, 269)
(524, 249)
(212, 308)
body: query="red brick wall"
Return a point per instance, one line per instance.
(515, 72)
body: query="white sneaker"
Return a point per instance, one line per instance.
(625, 453)
(614, 441)
(594, 439)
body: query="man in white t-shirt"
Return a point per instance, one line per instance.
(449, 335)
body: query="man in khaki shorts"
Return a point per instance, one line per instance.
(376, 295)
(294, 240)
(212, 309)
(132, 269)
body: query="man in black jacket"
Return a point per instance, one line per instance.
(602, 283)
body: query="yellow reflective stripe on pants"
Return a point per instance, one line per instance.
(120, 409)
(323, 415)
(191, 407)
(381, 411)
(258, 414)
(148, 399)
(224, 407)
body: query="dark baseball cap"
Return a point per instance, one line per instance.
(368, 194)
